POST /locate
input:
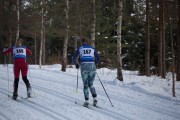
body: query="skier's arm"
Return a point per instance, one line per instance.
(28, 51)
(97, 57)
(8, 51)
(75, 56)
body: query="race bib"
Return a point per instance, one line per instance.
(19, 52)
(86, 52)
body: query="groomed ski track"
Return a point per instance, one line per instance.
(54, 96)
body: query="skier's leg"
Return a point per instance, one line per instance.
(85, 89)
(90, 83)
(91, 87)
(26, 81)
(24, 71)
(16, 81)
(28, 86)
(85, 84)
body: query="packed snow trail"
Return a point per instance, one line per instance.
(54, 96)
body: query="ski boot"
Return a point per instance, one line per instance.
(94, 101)
(86, 103)
(15, 95)
(29, 90)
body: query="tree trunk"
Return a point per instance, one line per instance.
(147, 42)
(10, 43)
(119, 60)
(18, 27)
(64, 59)
(172, 64)
(42, 34)
(93, 29)
(35, 48)
(80, 19)
(1, 11)
(44, 48)
(77, 25)
(172, 51)
(161, 60)
(10, 29)
(178, 46)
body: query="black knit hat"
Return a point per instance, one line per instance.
(85, 40)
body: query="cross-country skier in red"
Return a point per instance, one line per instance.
(19, 55)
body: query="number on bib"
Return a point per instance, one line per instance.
(87, 51)
(19, 50)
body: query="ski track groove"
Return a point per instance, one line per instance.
(38, 82)
(70, 99)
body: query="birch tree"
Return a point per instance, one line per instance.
(42, 33)
(18, 27)
(44, 47)
(80, 19)
(64, 59)
(119, 37)
(10, 26)
(93, 29)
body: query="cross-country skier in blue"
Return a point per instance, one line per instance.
(88, 60)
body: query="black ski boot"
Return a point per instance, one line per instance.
(29, 90)
(15, 95)
(94, 101)
(86, 103)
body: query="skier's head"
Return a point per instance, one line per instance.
(19, 42)
(85, 40)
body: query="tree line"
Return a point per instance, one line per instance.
(138, 35)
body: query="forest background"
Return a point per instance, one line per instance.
(45, 26)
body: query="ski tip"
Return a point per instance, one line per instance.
(86, 107)
(15, 99)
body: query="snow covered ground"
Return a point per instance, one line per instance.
(54, 96)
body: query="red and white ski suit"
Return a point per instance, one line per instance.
(19, 55)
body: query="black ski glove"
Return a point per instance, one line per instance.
(77, 66)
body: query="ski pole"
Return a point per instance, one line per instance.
(7, 75)
(30, 79)
(105, 90)
(77, 81)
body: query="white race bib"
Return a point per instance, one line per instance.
(86, 52)
(19, 52)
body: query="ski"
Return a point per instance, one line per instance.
(89, 106)
(96, 106)
(82, 105)
(22, 98)
(10, 96)
(25, 98)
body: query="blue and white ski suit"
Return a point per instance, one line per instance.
(88, 60)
